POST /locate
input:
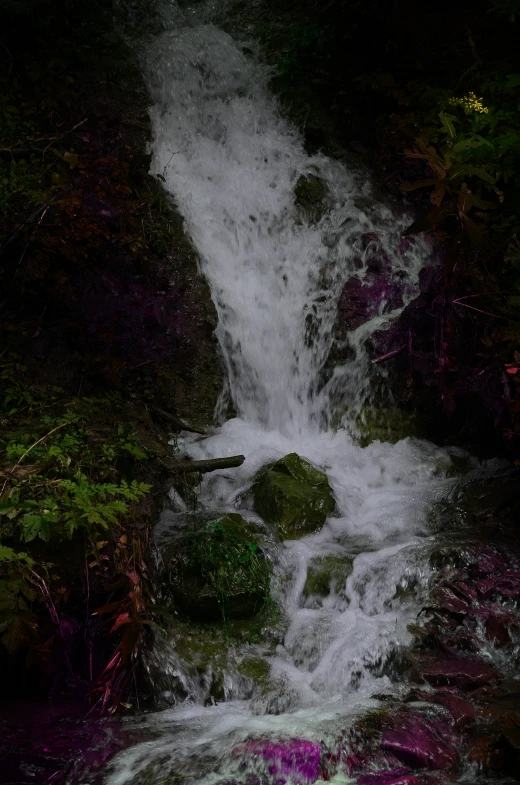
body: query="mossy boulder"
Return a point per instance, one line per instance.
(309, 196)
(218, 571)
(326, 574)
(385, 425)
(294, 496)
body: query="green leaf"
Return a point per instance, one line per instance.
(477, 171)
(19, 630)
(10, 555)
(447, 122)
(32, 526)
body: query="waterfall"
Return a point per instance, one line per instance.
(232, 162)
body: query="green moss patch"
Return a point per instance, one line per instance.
(326, 574)
(294, 496)
(385, 425)
(220, 571)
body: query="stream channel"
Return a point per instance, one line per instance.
(231, 161)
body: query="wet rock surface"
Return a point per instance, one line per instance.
(294, 496)
(218, 570)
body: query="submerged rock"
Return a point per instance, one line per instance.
(310, 193)
(326, 574)
(218, 571)
(294, 496)
(294, 760)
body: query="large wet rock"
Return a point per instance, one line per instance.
(461, 710)
(292, 760)
(294, 496)
(218, 571)
(466, 673)
(421, 743)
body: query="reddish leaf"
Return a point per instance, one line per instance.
(418, 184)
(123, 618)
(429, 221)
(473, 231)
(438, 193)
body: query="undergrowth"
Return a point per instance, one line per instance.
(68, 469)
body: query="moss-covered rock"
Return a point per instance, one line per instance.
(219, 571)
(326, 574)
(294, 496)
(309, 196)
(385, 425)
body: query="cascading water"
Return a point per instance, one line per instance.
(232, 162)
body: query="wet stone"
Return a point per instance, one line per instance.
(219, 571)
(326, 574)
(294, 496)
(310, 193)
(463, 672)
(421, 743)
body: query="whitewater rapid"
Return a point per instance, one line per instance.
(231, 161)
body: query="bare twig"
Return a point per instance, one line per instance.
(388, 355)
(38, 442)
(54, 141)
(479, 310)
(30, 220)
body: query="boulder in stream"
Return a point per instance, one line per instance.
(218, 571)
(421, 743)
(294, 496)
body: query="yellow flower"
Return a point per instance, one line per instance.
(470, 102)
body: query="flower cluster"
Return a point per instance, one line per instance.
(470, 102)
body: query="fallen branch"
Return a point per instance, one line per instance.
(177, 421)
(478, 310)
(208, 465)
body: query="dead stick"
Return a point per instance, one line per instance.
(208, 465)
(388, 355)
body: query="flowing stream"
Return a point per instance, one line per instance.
(232, 163)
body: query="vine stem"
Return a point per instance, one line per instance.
(36, 443)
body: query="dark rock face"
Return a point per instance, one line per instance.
(294, 496)
(380, 289)
(218, 571)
